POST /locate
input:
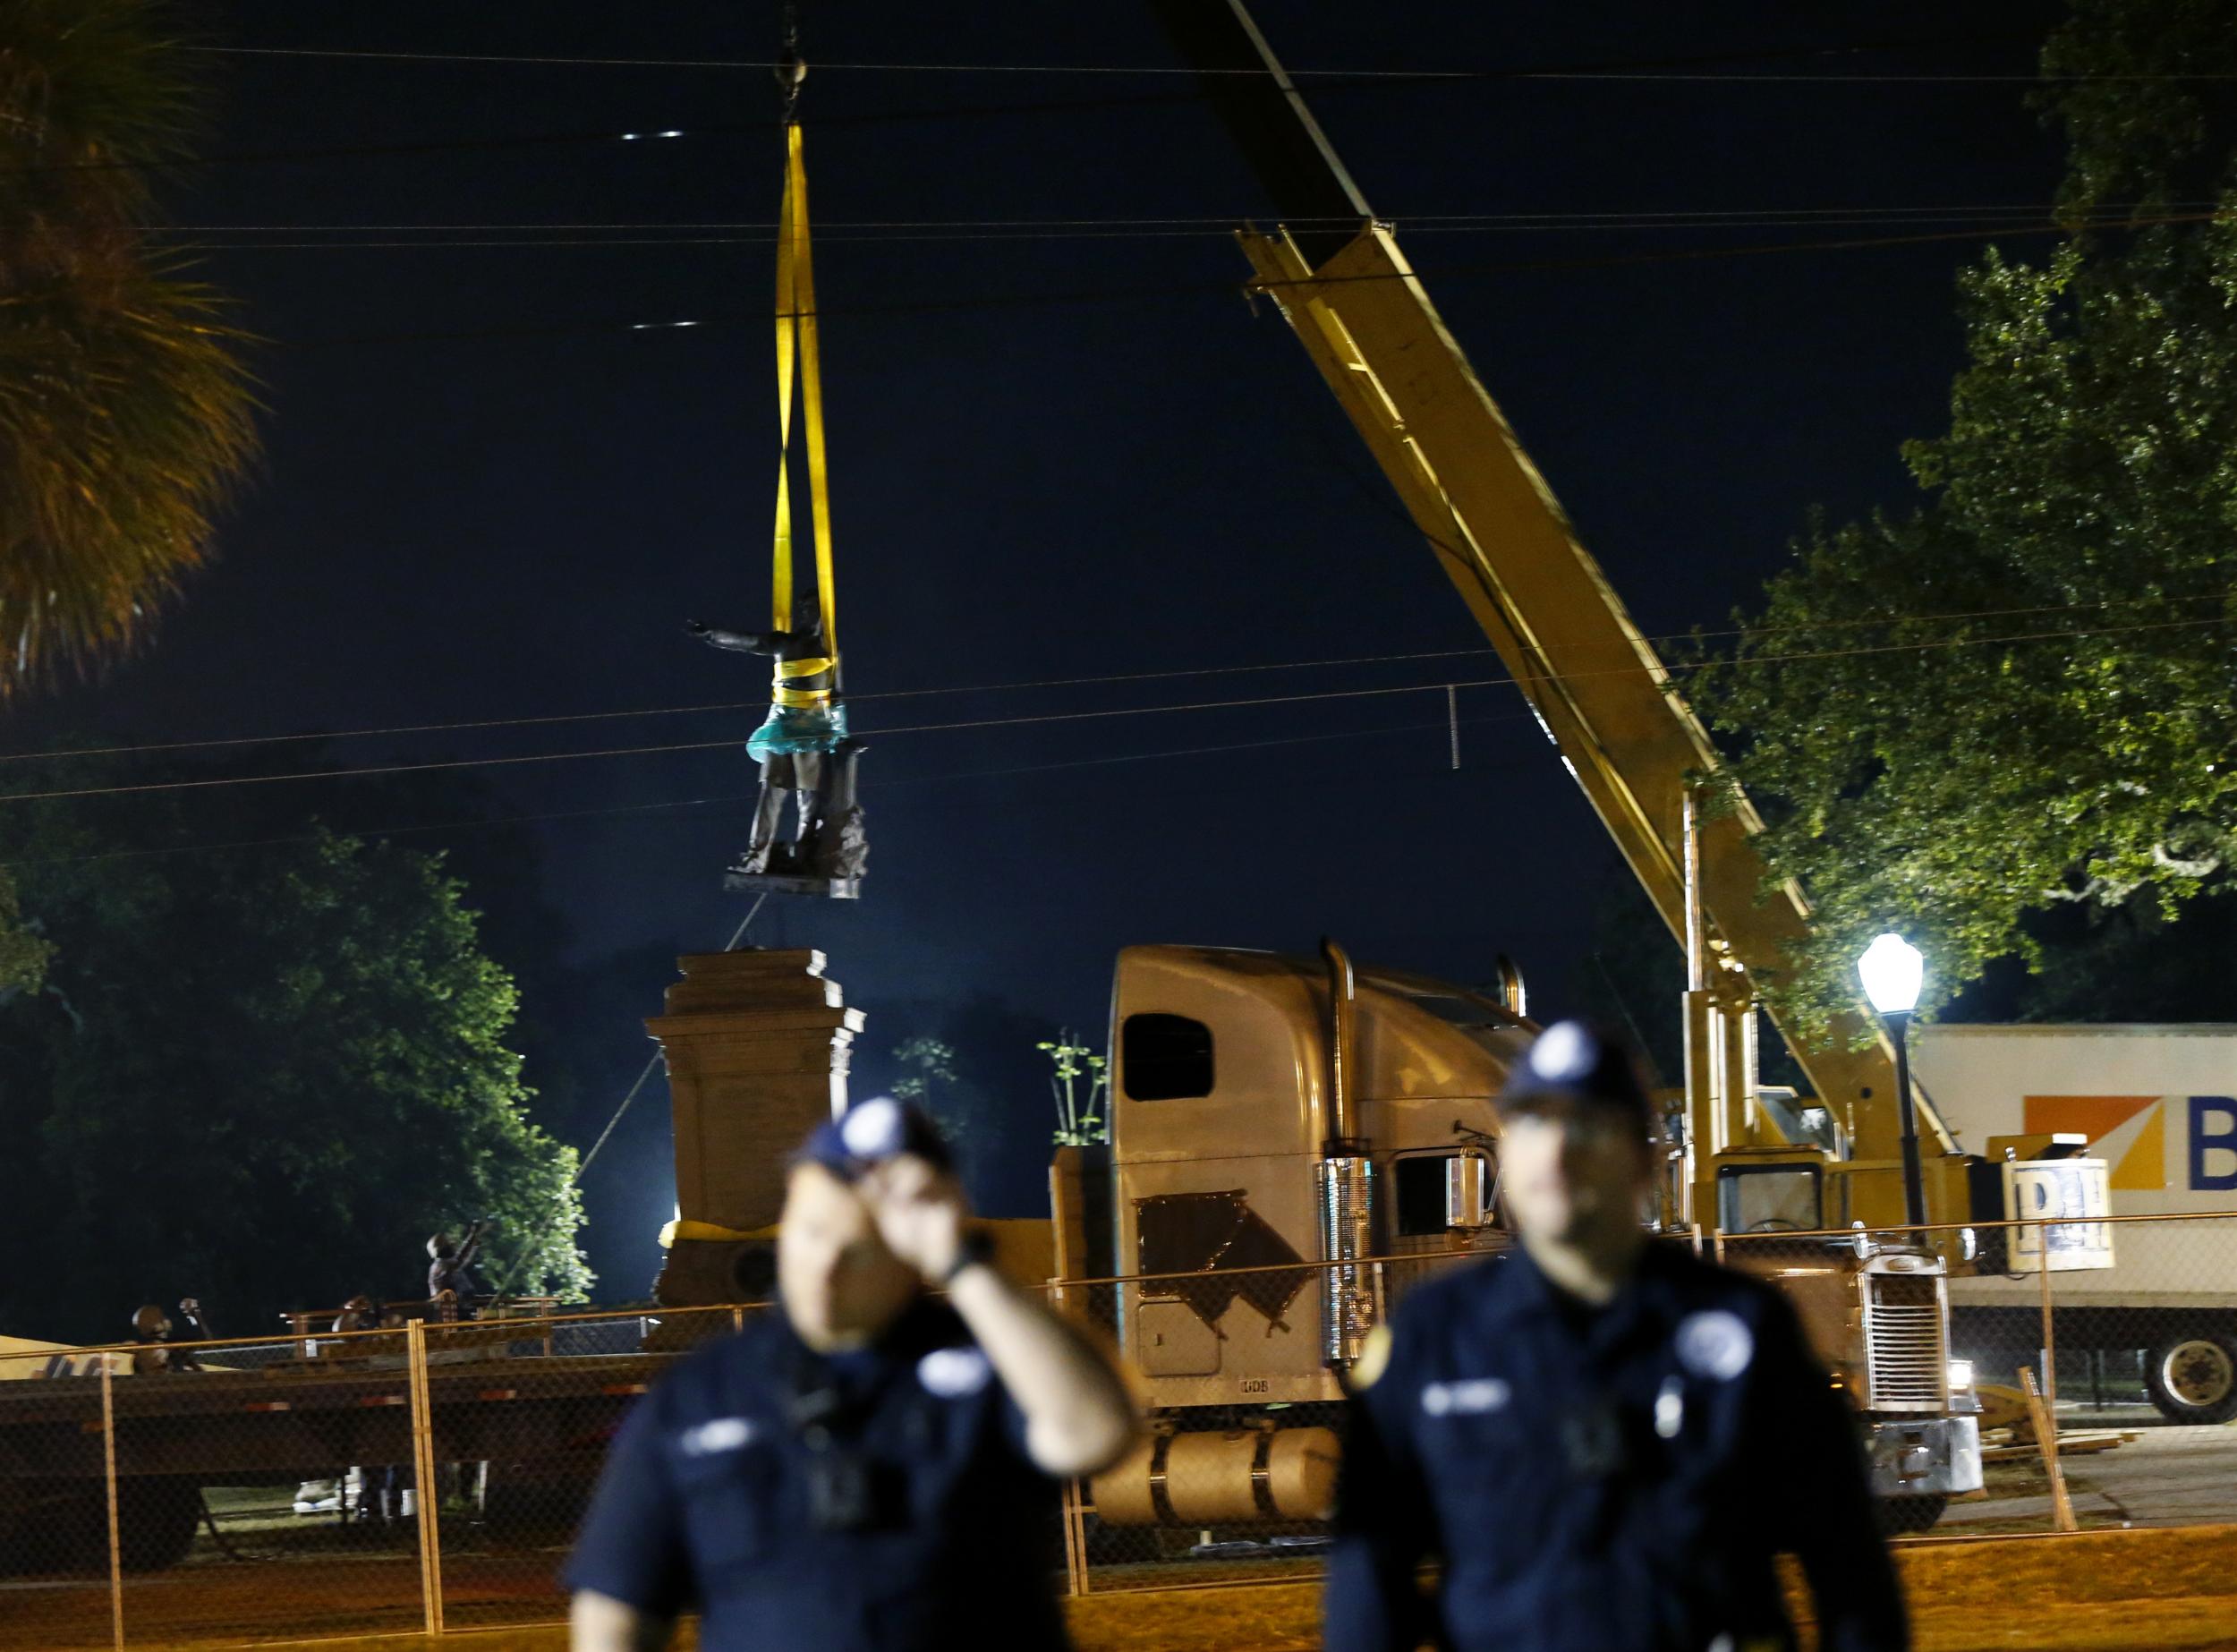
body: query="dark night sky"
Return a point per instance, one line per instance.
(494, 526)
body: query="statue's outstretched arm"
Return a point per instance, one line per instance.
(735, 641)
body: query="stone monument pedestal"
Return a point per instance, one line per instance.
(757, 1045)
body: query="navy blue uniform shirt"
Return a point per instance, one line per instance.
(709, 1495)
(1609, 1480)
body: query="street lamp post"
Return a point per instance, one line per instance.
(1890, 970)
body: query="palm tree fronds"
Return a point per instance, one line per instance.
(127, 414)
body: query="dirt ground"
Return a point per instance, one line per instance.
(2108, 1591)
(2112, 1591)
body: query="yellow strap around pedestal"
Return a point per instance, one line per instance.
(708, 1232)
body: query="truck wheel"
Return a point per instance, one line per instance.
(2192, 1378)
(518, 1511)
(1897, 1515)
(155, 1521)
(63, 1529)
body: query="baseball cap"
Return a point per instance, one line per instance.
(870, 1132)
(1574, 1064)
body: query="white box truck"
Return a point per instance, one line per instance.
(2158, 1106)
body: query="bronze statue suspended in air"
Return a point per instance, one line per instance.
(805, 757)
(801, 746)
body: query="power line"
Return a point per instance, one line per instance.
(438, 238)
(1102, 680)
(1749, 661)
(876, 786)
(1144, 291)
(736, 705)
(399, 729)
(1167, 71)
(1977, 613)
(1323, 88)
(1680, 255)
(652, 1061)
(1206, 751)
(1210, 223)
(355, 151)
(475, 823)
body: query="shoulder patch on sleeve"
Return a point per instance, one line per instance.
(1715, 1344)
(951, 1373)
(1374, 1359)
(711, 1438)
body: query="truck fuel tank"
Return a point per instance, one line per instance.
(1222, 1477)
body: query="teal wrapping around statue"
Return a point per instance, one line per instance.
(793, 730)
(805, 755)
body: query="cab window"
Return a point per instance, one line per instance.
(1421, 1194)
(1422, 1203)
(1165, 1058)
(1774, 1198)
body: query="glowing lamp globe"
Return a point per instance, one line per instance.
(1890, 970)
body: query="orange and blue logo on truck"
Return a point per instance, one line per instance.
(2130, 1133)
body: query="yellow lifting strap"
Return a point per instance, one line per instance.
(796, 342)
(802, 699)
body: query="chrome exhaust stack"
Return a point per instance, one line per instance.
(1349, 1305)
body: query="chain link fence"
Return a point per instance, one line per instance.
(1234, 1478)
(177, 1493)
(426, 1475)
(55, 1540)
(520, 1413)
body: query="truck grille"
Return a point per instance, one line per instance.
(1908, 1364)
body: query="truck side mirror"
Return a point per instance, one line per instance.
(1468, 1191)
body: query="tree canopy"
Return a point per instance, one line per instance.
(262, 1079)
(2022, 692)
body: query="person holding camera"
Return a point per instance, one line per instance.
(866, 1468)
(450, 1268)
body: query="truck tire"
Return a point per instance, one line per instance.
(156, 1521)
(1894, 1516)
(518, 1511)
(65, 1531)
(62, 1530)
(2191, 1376)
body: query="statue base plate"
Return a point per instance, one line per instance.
(788, 884)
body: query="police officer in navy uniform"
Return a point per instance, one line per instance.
(1601, 1440)
(864, 1467)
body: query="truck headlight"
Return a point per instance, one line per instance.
(1960, 1374)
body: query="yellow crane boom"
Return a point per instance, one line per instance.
(1602, 693)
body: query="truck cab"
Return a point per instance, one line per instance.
(1295, 1142)
(1223, 1112)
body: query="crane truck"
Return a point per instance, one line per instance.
(1267, 1110)
(1286, 1147)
